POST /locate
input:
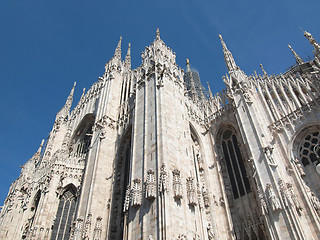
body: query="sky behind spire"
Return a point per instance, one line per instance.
(45, 46)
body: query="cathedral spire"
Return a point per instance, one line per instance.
(67, 106)
(210, 93)
(296, 56)
(127, 61)
(117, 52)
(231, 65)
(312, 41)
(158, 34)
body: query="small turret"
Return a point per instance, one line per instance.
(296, 56)
(231, 64)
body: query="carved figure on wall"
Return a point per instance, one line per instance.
(268, 152)
(191, 192)
(284, 194)
(163, 179)
(150, 185)
(263, 204)
(293, 197)
(177, 186)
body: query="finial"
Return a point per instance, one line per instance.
(41, 145)
(296, 56)
(127, 61)
(210, 93)
(231, 64)
(264, 71)
(158, 34)
(117, 52)
(188, 65)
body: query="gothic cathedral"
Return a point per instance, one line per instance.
(149, 153)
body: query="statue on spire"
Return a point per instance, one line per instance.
(231, 64)
(67, 106)
(296, 56)
(312, 41)
(158, 34)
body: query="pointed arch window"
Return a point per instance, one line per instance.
(235, 166)
(65, 214)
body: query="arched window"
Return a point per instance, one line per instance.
(235, 165)
(65, 213)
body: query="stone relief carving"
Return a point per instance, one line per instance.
(136, 196)
(283, 191)
(177, 185)
(272, 198)
(87, 227)
(191, 192)
(78, 228)
(150, 185)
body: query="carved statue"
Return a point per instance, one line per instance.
(163, 179)
(150, 185)
(268, 152)
(191, 192)
(177, 186)
(293, 197)
(127, 199)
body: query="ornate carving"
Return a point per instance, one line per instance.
(177, 185)
(150, 185)
(293, 197)
(97, 229)
(191, 192)
(127, 199)
(272, 198)
(87, 227)
(263, 204)
(163, 179)
(78, 228)
(205, 196)
(284, 194)
(136, 193)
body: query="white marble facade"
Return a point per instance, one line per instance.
(147, 153)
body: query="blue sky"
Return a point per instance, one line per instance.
(47, 45)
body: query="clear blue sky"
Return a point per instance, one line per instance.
(47, 45)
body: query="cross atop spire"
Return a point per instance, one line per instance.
(158, 34)
(117, 52)
(296, 56)
(231, 65)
